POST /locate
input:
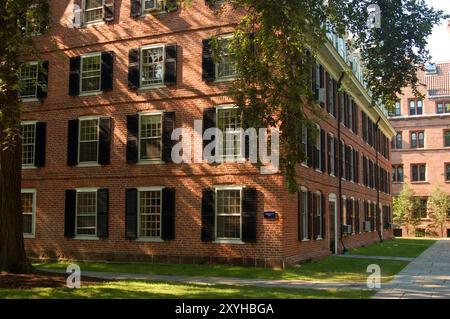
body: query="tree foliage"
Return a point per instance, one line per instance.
(405, 207)
(276, 42)
(439, 207)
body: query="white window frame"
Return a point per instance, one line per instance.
(92, 9)
(304, 214)
(240, 156)
(216, 64)
(141, 60)
(319, 148)
(223, 239)
(33, 213)
(88, 118)
(85, 56)
(147, 238)
(160, 5)
(86, 190)
(149, 161)
(332, 154)
(30, 98)
(319, 213)
(26, 166)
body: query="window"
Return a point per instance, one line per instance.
(418, 139)
(447, 138)
(304, 212)
(150, 208)
(351, 164)
(305, 143)
(418, 172)
(91, 73)
(330, 93)
(28, 131)
(28, 199)
(88, 145)
(86, 213)
(225, 67)
(331, 154)
(93, 11)
(397, 142)
(447, 172)
(152, 66)
(421, 208)
(318, 204)
(398, 109)
(150, 5)
(415, 107)
(397, 173)
(343, 163)
(150, 137)
(318, 150)
(229, 122)
(442, 107)
(28, 78)
(228, 213)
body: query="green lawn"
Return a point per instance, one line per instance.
(398, 247)
(335, 269)
(151, 290)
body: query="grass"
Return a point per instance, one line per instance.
(159, 290)
(333, 269)
(398, 247)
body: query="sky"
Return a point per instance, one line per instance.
(439, 41)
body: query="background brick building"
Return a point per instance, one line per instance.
(97, 179)
(421, 149)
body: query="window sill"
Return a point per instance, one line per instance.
(228, 79)
(397, 182)
(88, 165)
(150, 87)
(86, 238)
(29, 99)
(304, 165)
(318, 170)
(419, 182)
(95, 93)
(305, 240)
(319, 238)
(149, 240)
(229, 241)
(150, 162)
(92, 23)
(28, 167)
(29, 236)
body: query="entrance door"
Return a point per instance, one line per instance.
(332, 208)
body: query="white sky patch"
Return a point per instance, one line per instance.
(439, 41)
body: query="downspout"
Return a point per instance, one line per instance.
(378, 210)
(339, 83)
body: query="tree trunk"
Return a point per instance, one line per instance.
(12, 252)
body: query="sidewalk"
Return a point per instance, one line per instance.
(428, 276)
(298, 284)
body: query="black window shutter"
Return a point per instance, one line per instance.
(249, 215)
(136, 8)
(323, 150)
(209, 121)
(132, 138)
(74, 76)
(102, 212)
(208, 66)
(72, 143)
(39, 149)
(131, 208)
(341, 159)
(133, 69)
(336, 157)
(299, 215)
(208, 214)
(168, 124)
(104, 141)
(310, 215)
(357, 167)
(168, 214)
(107, 71)
(170, 71)
(329, 141)
(324, 214)
(42, 86)
(310, 147)
(69, 213)
(108, 10)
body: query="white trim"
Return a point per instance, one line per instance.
(148, 238)
(29, 165)
(147, 47)
(30, 98)
(89, 163)
(33, 215)
(93, 22)
(229, 241)
(240, 158)
(90, 55)
(156, 160)
(222, 239)
(84, 236)
(217, 78)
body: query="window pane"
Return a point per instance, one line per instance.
(28, 80)
(448, 172)
(226, 66)
(152, 66)
(150, 4)
(88, 140)
(90, 75)
(228, 214)
(28, 141)
(86, 219)
(400, 174)
(440, 108)
(414, 173)
(419, 107)
(93, 10)
(229, 122)
(150, 214)
(412, 107)
(27, 212)
(150, 137)
(422, 169)
(447, 138)
(447, 108)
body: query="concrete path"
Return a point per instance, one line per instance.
(378, 257)
(268, 283)
(428, 276)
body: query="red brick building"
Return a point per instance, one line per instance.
(98, 180)
(421, 149)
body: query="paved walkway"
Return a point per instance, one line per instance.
(428, 276)
(378, 257)
(268, 283)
